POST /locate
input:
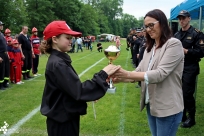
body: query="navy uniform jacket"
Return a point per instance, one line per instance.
(65, 96)
(190, 40)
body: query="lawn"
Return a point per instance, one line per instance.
(116, 114)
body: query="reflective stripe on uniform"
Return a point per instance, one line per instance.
(1, 81)
(6, 78)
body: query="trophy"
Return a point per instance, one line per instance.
(112, 53)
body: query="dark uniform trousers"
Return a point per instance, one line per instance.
(4, 68)
(27, 62)
(190, 73)
(69, 128)
(35, 64)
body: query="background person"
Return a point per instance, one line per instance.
(26, 51)
(189, 37)
(99, 47)
(3, 58)
(35, 42)
(65, 96)
(160, 72)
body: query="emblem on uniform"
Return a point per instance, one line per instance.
(189, 38)
(182, 11)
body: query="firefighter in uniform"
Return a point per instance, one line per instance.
(35, 42)
(26, 51)
(3, 57)
(8, 38)
(189, 37)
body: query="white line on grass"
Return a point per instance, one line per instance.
(84, 56)
(15, 127)
(122, 116)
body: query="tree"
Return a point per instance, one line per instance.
(40, 14)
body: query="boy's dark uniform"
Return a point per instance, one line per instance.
(64, 106)
(190, 41)
(4, 56)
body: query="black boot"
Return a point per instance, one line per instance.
(25, 76)
(1, 86)
(189, 122)
(28, 75)
(5, 84)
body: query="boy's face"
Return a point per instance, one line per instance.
(63, 43)
(15, 44)
(8, 34)
(9, 43)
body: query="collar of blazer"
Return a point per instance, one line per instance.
(155, 57)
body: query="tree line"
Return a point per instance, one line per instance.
(91, 17)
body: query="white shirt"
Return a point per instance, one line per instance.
(146, 78)
(79, 41)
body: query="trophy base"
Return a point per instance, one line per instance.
(111, 90)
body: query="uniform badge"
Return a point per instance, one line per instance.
(201, 42)
(189, 38)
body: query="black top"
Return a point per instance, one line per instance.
(190, 40)
(25, 42)
(3, 43)
(65, 96)
(98, 44)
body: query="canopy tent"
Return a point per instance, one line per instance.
(194, 7)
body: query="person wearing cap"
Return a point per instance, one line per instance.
(26, 51)
(131, 43)
(35, 42)
(160, 72)
(7, 33)
(16, 64)
(4, 60)
(65, 96)
(189, 36)
(11, 58)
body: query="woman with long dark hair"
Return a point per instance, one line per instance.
(160, 72)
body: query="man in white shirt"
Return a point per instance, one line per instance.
(79, 44)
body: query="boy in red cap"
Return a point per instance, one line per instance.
(65, 96)
(16, 64)
(7, 33)
(35, 42)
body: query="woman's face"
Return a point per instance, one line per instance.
(63, 43)
(152, 28)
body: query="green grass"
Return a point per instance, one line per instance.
(116, 114)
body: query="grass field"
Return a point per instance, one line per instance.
(116, 114)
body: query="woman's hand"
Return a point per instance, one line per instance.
(110, 69)
(121, 73)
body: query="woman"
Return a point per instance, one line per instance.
(161, 71)
(65, 96)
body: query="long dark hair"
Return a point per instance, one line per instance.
(164, 27)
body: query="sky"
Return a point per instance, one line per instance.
(139, 8)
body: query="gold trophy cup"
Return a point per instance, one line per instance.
(112, 53)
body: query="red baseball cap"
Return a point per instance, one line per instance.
(9, 39)
(58, 27)
(15, 41)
